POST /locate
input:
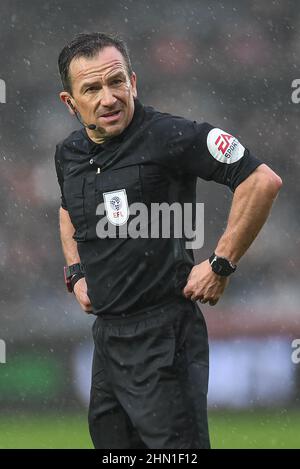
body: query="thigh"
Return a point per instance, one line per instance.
(196, 355)
(158, 372)
(110, 426)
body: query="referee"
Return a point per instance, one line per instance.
(150, 365)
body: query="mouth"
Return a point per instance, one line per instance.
(111, 116)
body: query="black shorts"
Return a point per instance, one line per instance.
(150, 380)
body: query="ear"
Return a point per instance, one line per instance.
(67, 99)
(133, 84)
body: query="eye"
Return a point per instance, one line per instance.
(117, 81)
(91, 89)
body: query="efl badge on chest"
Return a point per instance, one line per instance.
(116, 206)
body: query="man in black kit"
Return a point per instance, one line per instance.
(150, 366)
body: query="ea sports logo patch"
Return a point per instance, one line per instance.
(116, 206)
(224, 147)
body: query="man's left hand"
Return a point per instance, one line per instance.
(204, 285)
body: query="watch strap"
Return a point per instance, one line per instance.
(74, 269)
(75, 278)
(70, 273)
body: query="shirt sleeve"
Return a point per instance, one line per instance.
(209, 153)
(60, 174)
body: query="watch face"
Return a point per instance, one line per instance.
(218, 266)
(222, 266)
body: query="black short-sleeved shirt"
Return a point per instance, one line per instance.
(156, 159)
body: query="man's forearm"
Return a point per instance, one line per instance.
(252, 202)
(69, 245)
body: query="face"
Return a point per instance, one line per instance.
(102, 93)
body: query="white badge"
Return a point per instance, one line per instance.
(116, 206)
(224, 147)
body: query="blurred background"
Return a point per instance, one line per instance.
(229, 63)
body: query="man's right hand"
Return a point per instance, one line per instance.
(80, 291)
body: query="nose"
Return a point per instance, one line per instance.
(107, 98)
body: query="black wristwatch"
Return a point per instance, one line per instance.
(72, 274)
(221, 265)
